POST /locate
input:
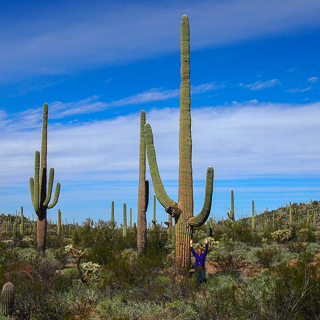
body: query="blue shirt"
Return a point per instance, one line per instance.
(200, 260)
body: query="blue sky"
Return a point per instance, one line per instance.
(255, 71)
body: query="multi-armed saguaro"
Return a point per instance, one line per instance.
(38, 187)
(182, 210)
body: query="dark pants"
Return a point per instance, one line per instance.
(200, 274)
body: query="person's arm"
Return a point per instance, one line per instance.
(192, 250)
(206, 249)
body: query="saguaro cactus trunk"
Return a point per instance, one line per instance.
(182, 210)
(38, 188)
(143, 192)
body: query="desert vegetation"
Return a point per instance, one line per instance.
(264, 266)
(93, 271)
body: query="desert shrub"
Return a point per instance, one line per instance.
(306, 235)
(267, 256)
(295, 247)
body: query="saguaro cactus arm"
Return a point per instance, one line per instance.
(159, 190)
(35, 188)
(49, 192)
(203, 215)
(34, 184)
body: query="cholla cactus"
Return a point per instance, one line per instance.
(8, 243)
(281, 235)
(90, 270)
(78, 254)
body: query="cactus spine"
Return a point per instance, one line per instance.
(38, 187)
(22, 222)
(59, 222)
(253, 225)
(231, 214)
(124, 228)
(7, 299)
(182, 210)
(143, 191)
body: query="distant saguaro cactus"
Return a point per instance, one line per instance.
(7, 299)
(124, 228)
(231, 214)
(253, 225)
(22, 222)
(130, 219)
(59, 222)
(112, 215)
(182, 210)
(38, 187)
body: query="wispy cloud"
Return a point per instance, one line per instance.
(91, 104)
(259, 85)
(299, 90)
(56, 38)
(313, 79)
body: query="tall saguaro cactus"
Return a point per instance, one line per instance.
(38, 187)
(182, 210)
(143, 192)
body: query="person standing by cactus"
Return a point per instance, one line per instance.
(200, 268)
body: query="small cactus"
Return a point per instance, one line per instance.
(7, 299)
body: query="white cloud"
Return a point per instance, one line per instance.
(99, 160)
(259, 85)
(298, 90)
(239, 140)
(313, 79)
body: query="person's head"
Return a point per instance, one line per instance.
(199, 251)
